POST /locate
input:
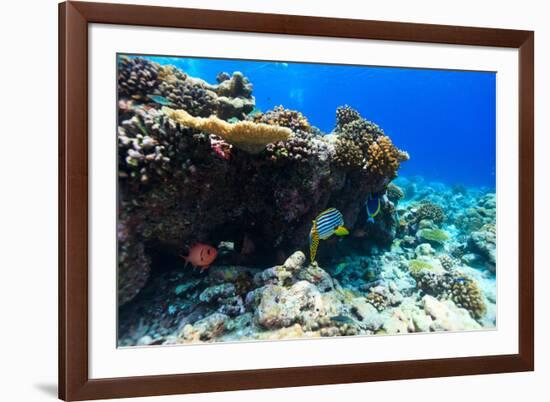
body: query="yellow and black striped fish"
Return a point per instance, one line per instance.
(328, 222)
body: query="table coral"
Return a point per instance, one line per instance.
(248, 136)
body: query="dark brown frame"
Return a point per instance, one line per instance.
(74, 383)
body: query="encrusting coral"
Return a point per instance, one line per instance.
(248, 136)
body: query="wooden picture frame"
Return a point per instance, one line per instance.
(74, 381)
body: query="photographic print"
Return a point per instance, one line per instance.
(272, 200)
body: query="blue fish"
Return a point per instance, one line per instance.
(373, 206)
(161, 100)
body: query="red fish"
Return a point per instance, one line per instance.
(200, 256)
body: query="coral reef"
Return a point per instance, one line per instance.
(282, 117)
(137, 77)
(484, 242)
(348, 154)
(384, 158)
(245, 135)
(394, 193)
(430, 211)
(434, 236)
(198, 163)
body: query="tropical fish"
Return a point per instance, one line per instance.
(200, 256)
(373, 206)
(161, 100)
(328, 222)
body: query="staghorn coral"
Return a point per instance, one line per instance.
(431, 211)
(248, 136)
(384, 158)
(280, 116)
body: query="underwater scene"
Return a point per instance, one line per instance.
(266, 200)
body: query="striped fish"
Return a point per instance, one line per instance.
(328, 222)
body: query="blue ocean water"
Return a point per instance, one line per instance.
(445, 120)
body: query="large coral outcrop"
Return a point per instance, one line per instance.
(189, 171)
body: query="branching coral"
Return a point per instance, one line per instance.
(190, 95)
(384, 158)
(466, 293)
(348, 154)
(301, 146)
(142, 79)
(357, 136)
(345, 115)
(248, 136)
(377, 300)
(430, 211)
(137, 77)
(280, 116)
(446, 261)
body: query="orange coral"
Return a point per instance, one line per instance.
(384, 158)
